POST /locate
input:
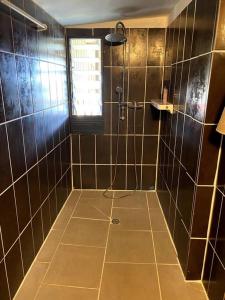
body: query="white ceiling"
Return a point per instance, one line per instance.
(77, 12)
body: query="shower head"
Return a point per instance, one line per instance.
(117, 37)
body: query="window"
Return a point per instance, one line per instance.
(86, 72)
(86, 82)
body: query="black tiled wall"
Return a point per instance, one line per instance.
(94, 155)
(35, 175)
(189, 143)
(214, 272)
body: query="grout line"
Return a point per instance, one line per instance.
(32, 57)
(71, 286)
(80, 156)
(124, 207)
(63, 232)
(104, 258)
(139, 263)
(32, 114)
(192, 58)
(138, 67)
(91, 219)
(87, 164)
(128, 134)
(15, 203)
(37, 163)
(212, 205)
(71, 159)
(81, 245)
(189, 116)
(157, 271)
(96, 174)
(7, 280)
(30, 222)
(216, 254)
(197, 185)
(166, 224)
(158, 148)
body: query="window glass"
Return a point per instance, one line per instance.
(86, 75)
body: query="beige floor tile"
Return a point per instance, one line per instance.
(134, 200)
(86, 232)
(173, 286)
(157, 220)
(66, 212)
(76, 266)
(129, 282)
(75, 194)
(32, 282)
(165, 252)
(95, 194)
(94, 208)
(131, 219)
(153, 201)
(47, 251)
(130, 246)
(52, 292)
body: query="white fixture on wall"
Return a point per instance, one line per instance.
(221, 125)
(39, 25)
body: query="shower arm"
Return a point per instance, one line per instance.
(120, 25)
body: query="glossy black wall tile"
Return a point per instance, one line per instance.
(14, 268)
(190, 149)
(195, 262)
(189, 29)
(103, 176)
(214, 276)
(34, 138)
(23, 207)
(206, 13)
(181, 240)
(103, 149)
(9, 224)
(9, 86)
(185, 197)
(143, 82)
(216, 98)
(189, 144)
(156, 47)
(202, 206)
(88, 177)
(138, 47)
(5, 175)
(16, 148)
(209, 152)
(27, 247)
(197, 90)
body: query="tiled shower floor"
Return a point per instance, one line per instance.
(87, 258)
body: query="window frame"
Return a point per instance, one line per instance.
(83, 124)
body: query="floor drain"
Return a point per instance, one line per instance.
(115, 221)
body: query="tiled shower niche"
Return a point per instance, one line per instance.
(94, 155)
(35, 177)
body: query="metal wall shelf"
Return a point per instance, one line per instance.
(158, 104)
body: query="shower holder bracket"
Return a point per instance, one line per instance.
(158, 104)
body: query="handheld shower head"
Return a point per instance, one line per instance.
(117, 37)
(119, 91)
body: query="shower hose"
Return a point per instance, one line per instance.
(105, 193)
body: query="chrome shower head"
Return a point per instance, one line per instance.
(117, 37)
